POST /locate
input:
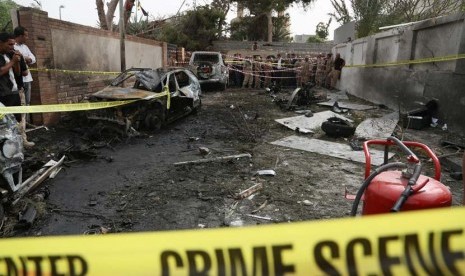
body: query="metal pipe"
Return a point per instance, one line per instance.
(59, 10)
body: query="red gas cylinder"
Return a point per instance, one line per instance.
(389, 189)
(386, 188)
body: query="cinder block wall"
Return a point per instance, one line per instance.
(404, 86)
(67, 46)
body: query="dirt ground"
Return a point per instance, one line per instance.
(109, 184)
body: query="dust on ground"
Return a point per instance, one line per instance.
(112, 184)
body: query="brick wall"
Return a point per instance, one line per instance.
(51, 41)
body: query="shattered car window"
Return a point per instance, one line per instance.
(149, 79)
(206, 58)
(182, 78)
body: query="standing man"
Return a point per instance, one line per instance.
(278, 72)
(306, 71)
(248, 71)
(12, 68)
(267, 69)
(21, 36)
(329, 67)
(257, 71)
(9, 67)
(320, 70)
(336, 72)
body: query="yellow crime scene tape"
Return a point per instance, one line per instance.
(78, 106)
(428, 242)
(61, 107)
(407, 62)
(73, 71)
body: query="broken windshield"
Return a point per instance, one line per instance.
(213, 58)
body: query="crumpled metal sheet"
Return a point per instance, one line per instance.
(150, 79)
(120, 93)
(12, 143)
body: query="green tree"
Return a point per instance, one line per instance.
(5, 19)
(251, 28)
(368, 14)
(322, 30)
(195, 29)
(266, 7)
(372, 14)
(401, 11)
(341, 12)
(314, 39)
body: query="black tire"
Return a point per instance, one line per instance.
(153, 122)
(223, 86)
(336, 127)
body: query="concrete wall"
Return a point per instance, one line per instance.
(403, 86)
(67, 46)
(342, 33)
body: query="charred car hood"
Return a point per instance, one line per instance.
(120, 93)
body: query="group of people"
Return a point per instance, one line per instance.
(15, 77)
(253, 72)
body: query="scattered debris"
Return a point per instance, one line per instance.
(302, 112)
(302, 96)
(27, 218)
(266, 173)
(416, 119)
(451, 163)
(97, 230)
(260, 207)
(37, 178)
(204, 151)
(304, 123)
(337, 150)
(347, 105)
(307, 202)
(449, 143)
(36, 128)
(337, 127)
(250, 191)
(337, 96)
(337, 109)
(456, 175)
(355, 145)
(217, 159)
(378, 128)
(262, 218)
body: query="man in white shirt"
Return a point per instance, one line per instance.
(21, 36)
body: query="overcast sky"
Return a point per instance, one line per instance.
(84, 12)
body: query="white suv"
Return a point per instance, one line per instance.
(209, 68)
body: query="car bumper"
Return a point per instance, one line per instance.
(213, 80)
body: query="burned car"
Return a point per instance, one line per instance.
(11, 159)
(161, 96)
(209, 68)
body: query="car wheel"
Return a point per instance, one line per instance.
(153, 121)
(196, 109)
(336, 127)
(222, 86)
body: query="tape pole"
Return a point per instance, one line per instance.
(411, 243)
